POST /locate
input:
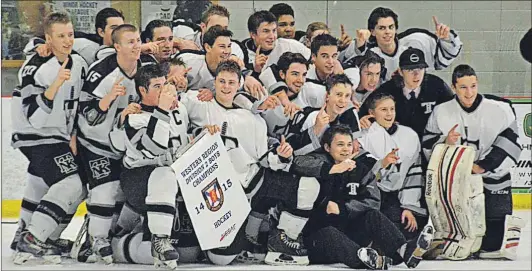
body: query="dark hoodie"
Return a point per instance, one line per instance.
(354, 191)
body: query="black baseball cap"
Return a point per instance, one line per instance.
(412, 58)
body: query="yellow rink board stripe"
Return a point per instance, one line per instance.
(11, 208)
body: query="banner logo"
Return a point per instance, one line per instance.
(213, 195)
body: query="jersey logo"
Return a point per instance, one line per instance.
(527, 124)
(28, 70)
(428, 107)
(93, 76)
(100, 168)
(353, 188)
(213, 195)
(66, 163)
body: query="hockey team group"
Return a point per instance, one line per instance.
(350, 150)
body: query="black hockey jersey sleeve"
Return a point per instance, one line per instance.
(31, 91)
(94, 89)
(506, 149)
(431, 136)
(152, 138)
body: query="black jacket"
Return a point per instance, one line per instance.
(434, 91)
(354, 191)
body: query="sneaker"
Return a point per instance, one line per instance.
(373, 260)
(16, 238)
(102, 248)
(64, 244)
(28, 246)
(164, 254)
(282, 250)
(415, 249)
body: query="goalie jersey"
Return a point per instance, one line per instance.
(405, 176)
(489, 126)
(37, 120)
(154, 136)
(95, 124)
(243, 133)
(439, 54)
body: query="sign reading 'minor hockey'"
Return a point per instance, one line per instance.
(214, 199)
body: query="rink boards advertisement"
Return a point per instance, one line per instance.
(522, 172)
(214, 198)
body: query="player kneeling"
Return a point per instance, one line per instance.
(153, 133)
(472, 212)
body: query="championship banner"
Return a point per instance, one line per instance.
(214, 199)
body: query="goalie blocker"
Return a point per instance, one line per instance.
(456, 204)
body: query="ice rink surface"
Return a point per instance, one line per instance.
(524, 261)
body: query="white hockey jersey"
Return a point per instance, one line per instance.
(94, 124)
(406, 176)
(243, 133)
(281, 46)
(314, 91)
(154, 136)
(37, 120)
(489, 126)
(185, 31)
(299, 131)
(199, 76)
(85, 45)
(439, 54)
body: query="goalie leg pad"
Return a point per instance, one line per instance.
(455, 201)
(510, 242)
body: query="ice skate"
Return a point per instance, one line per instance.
(282, 250)
(28, 246)
(16, 238)
(164, 254)
(82, 249)
(64, 245)
(256, 252)
(373, 260)
(415, 251)
(102, 248)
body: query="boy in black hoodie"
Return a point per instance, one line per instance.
(346, 217)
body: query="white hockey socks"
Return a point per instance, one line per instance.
(510, 242)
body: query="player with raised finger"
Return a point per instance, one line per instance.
(440, 47)
(398, 150)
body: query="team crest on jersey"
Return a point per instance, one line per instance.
(100, 168)
(66, 163)
(527, 124)
(213, 195)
